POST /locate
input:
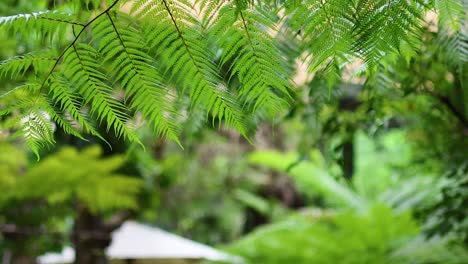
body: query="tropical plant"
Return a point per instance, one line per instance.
(101, 63)
(349, 226)
(378, 179)
(378, 235)
(428, 95)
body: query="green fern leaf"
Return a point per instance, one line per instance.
(43, 25)
(18, 66)
(180, 44)
(257, 61)
(36, 127)
(92, 85)
(64, 101)
(451, 13)
(122, 46)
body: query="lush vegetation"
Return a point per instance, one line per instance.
(295, 131)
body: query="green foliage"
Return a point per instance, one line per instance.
(377, 236)
(382, 161)
(84, 177)
(436, 77)
(38, 199)
(452, 13)
(447, 216)
(382, 175)
(93, 68)
(213, 164)
(124, 59)
(310, 177)
(255, 59)
(12, 160)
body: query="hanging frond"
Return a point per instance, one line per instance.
(380, 27)
(108, 61)
(185, 53)
(121, 43)
(325, 30)
(19, 65)
(247, 44)
(36, 127)
(40, 25)
(455, 45)
(451, 13)
(453, 30)
(209, 10)
(93, 86)
(63, 98)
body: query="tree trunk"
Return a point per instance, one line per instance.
(92, 235)
(23, 259)
(9, 258)
(90, 238)
(348, 159)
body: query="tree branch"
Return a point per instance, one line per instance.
(452, 108)
(64, 21)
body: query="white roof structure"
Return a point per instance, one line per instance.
(67, 256)
(137, 241)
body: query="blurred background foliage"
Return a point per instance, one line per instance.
(360, 170)
(377, 236)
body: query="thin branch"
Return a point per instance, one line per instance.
(452, 108)
(119, 36)
(179, 32)
(64, 21)
(13, 229)
(118, 219)
(244, 23)
(14, 89)
(74, 41)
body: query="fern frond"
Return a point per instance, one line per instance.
(247, 44)
(181, 45)
(66, 103)
(116, 65)
(326, 30)
(455, 46)
(380, 27)
(340, 30)
(43, 25)
(19, 65)
(453, 30)
(123, 47)
(95, 183)
(59, 117)
(209, 11)
(451, 13)
(9, 20)
(11, 92)
(36, 127)
(93, 86)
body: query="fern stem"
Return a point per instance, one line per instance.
(179, 32)
(57, 61)
(445, 100)
(65, 21)
(14, 89)
(122, 42)
(247, 30)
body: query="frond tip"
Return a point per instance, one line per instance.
(37, 130)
